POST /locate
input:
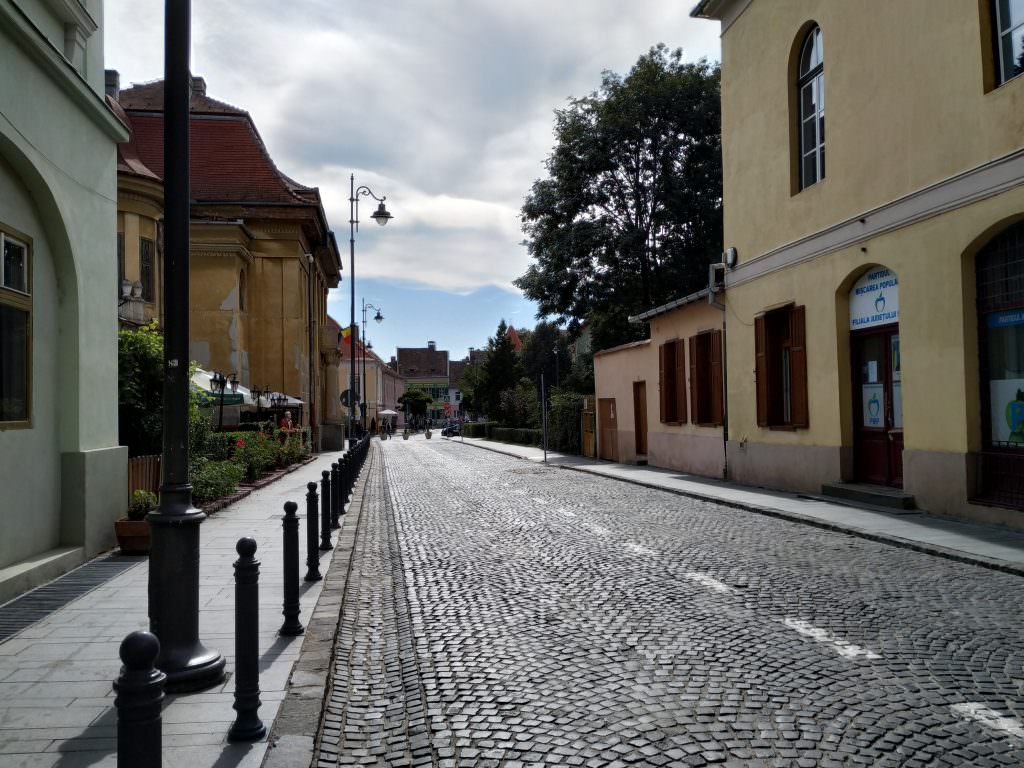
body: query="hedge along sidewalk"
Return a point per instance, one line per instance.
(55, 676)
(985, 545)
(293, 736)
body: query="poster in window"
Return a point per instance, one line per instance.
(1006, 398)
(873, 405)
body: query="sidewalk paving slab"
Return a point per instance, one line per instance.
(56, 702)
(988, 546)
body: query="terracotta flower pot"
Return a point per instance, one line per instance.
(132, 536)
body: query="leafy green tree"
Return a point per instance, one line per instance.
(630, 214)
(520, 406)
(501, 370)
(415, 402)
(140, 384)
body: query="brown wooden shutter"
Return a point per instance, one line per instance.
(717, 381)
(761, 369)
(695, 403)
(798, 367)
(662, 383)
(681, 381)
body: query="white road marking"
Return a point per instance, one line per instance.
(711, 583)
(989, 719)
(844, 648)
(566, 512)
(638, 549)
(539, 500)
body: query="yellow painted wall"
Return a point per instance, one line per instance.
(938, 331)
(906, 105)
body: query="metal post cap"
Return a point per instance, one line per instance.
(290, 508)
(311, 487)
(246, 547)
(139, 651)
(325, 475)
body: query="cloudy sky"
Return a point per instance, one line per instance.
(445, 106)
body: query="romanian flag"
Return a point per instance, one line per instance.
(345, 334)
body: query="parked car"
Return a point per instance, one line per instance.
(452, 429)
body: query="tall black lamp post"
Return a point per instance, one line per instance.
(174, 553)
(382, 217)
(367, 346)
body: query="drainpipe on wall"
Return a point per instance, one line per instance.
(715, 286)
(314, 428)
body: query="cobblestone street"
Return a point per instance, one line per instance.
(501, 613)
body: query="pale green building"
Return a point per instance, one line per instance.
(63, 477)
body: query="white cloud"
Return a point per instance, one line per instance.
(448, 102)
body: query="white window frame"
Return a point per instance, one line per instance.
(1004, 37)
(813, 80)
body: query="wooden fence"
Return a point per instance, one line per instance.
(143, 474)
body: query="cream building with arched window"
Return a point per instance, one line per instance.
(875, 307)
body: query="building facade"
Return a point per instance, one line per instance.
(262, 254)
(426, 368)
(63, 475)
(383, 384)
(660, 401)
(874, 302)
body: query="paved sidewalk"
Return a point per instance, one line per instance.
(56, 703)
(990, 546)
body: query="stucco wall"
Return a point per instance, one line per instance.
(905, 106)
(72, 186)
(30, 458)
(686, 447)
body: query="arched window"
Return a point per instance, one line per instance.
(241, 290)
(1000, 286)
(1008, 16)
(811, 95)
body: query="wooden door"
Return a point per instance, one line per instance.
(878, 407)
(608, 429)
(640, 416)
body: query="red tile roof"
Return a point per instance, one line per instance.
(229, 160)
(128, 160)
(422, 362)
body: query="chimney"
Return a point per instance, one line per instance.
(432, 345)
(198, 86)
(112, 83)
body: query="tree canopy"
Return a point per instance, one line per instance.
(630, 214)
(415, 402)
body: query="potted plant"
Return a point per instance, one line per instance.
(133, 531)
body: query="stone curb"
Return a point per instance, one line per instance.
(292, 740)
(852, 530)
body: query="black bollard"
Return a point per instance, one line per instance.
(336, 504)
(291, 625)
(247, 725)
(344, 468)
(325, 511)
(140, 692)
(312, 537)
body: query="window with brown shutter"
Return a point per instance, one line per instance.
(672, 382)
(780, 368)
(706, 379)
(680, 382)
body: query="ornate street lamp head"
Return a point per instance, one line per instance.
(379, 317)
(381, 215)
(218, 380)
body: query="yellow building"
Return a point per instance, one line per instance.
(262, 254)
(875, 303)
(383, 384)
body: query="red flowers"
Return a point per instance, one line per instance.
(240, 443)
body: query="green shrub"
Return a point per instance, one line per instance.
(256, 453)
(565, 421)
(214, 479)
(293, 450)
(220, 446)
(477, 429)
(142, 503)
